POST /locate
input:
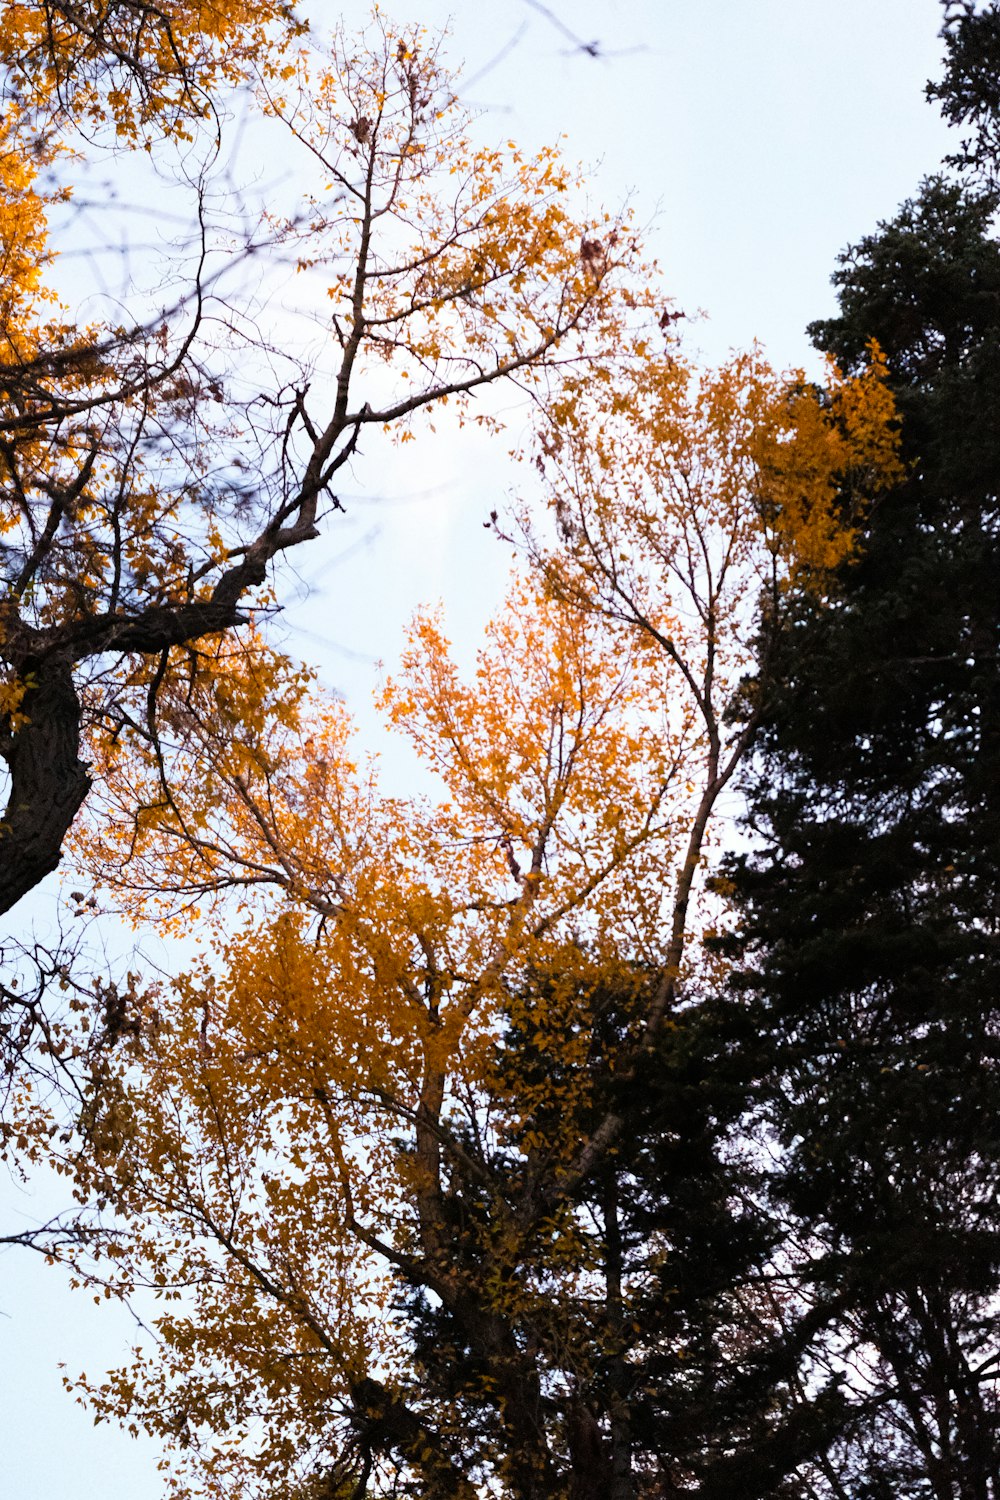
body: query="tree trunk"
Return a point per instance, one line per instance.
(621, 1486)
(48, 780)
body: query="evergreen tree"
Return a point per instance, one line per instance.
(870, 933)
(656, 1351)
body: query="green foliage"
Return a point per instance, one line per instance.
(870, 906)
(969, 92)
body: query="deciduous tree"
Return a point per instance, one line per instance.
(385, 1130)
(151, 474)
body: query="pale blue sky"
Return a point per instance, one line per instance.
(756, 137)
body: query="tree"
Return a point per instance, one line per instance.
(870, 904)
(968, 93)
(391, 1129)
(151, 474)
(142, 68)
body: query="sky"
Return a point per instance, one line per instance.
(755, 139)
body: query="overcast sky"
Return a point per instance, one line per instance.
(755, 139)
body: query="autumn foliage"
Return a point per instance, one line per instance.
(425, 1162)
(153, 470)
(396, 1022)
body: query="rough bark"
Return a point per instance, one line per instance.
(48, 780)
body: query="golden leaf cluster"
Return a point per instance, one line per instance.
(291, 1114)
